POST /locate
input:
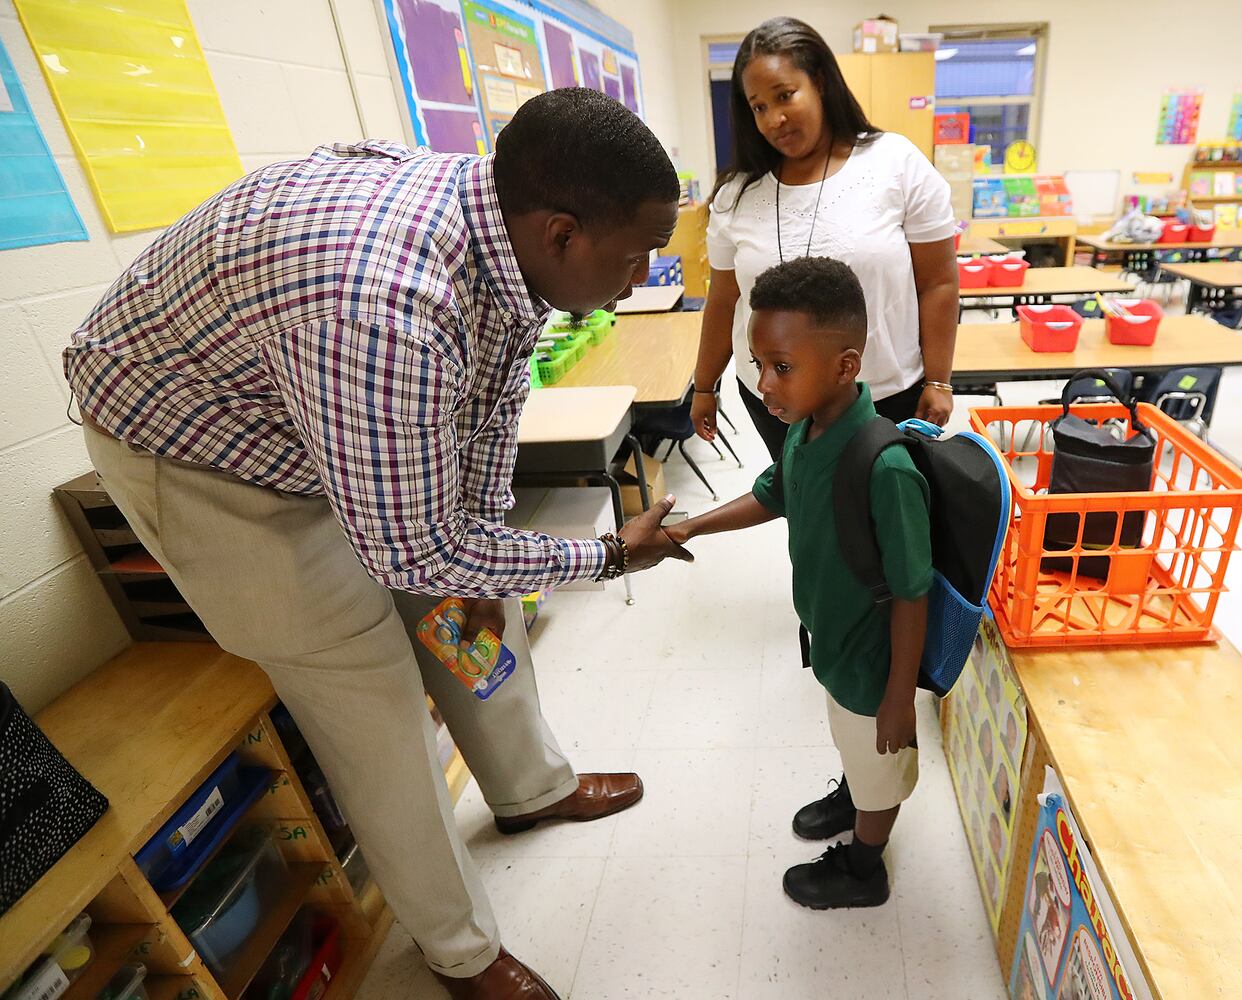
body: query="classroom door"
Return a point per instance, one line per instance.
(722, 123)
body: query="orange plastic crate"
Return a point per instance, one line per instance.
(1163, 591)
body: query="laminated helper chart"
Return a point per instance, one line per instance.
(464, 67)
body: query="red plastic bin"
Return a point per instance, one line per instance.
(972, 273)
(1138, 330)
(1049, 329)
(1201, 234)
(326, 962)
(1007, 272)
(1174, 232)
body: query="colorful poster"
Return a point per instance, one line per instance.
(1178, 124)
(464, 67)
(437, 81)
(137, 98)
(505, 50)
(559, 45)
(1071, 945)
(35, 208)
(985, 739)
(1234, 131)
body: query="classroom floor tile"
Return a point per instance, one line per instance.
(698, 687)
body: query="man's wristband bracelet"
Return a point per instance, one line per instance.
(705, 392)
(930, 384)
(617, 560)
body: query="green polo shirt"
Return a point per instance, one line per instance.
(850, 645)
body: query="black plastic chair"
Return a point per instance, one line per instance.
(1188, 395)
(653, 427)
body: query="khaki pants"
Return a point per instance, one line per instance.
(274, 580)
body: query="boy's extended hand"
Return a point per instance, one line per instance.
(649, 545)
(895, 724)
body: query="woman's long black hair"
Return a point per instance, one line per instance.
(753, 155)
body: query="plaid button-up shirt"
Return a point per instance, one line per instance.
(355, 325)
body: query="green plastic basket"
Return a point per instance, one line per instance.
(553, 367)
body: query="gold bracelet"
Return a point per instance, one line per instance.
(930, 384)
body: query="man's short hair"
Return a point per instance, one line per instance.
(576, 150)
(826, 289)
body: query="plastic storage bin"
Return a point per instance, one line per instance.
(1139, 328)
(1201, 234)
(325, 963)
(288, 962)
(1165, 590)
(67, 957)
(1174, 232)
(227, 901)
(1049, 329)
(127, 984)
(174, 855)
(1007, 272)
(972, 273)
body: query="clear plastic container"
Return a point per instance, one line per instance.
(67, 957)
(127, 984)
(230, 896)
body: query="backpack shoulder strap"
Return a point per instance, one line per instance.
(851, 502)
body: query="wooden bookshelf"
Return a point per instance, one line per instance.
(209, 703)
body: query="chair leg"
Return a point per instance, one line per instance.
(720, 410)
(671, 446)
(719, 453)
(725, 441)
(681, 447)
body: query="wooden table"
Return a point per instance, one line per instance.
(1145, 742)
(1044, 282)
(974, 246)
(996, 351)
(1102, 249)
(654, 353)
(1213, 285)
(1060, 229)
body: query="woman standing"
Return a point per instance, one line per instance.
(811, 176)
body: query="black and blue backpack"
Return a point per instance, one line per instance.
(969, 513)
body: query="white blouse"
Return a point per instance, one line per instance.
(886, 196)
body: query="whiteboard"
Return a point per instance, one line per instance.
(1095, 192)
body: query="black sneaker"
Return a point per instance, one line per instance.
(829, 883)
(828, 817)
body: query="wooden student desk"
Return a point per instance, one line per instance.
(1145, 744)
(1044, 282)
(996, 351)
(1213, 284)
(654, 353)
(570, 436)
(1102, 249)
(976, 246)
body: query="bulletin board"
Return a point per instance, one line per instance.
(133, 87)
(463, 67)
(35, 208)
(985, 740)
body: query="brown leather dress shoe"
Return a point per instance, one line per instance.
(598, 795)
(505, 979)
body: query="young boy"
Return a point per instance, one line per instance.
(807, 334)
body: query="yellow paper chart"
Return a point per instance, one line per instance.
(137, 98)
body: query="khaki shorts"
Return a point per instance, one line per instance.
(877, 781)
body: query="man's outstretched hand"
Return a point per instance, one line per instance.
(647, 541)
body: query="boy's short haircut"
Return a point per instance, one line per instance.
(824, 288)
